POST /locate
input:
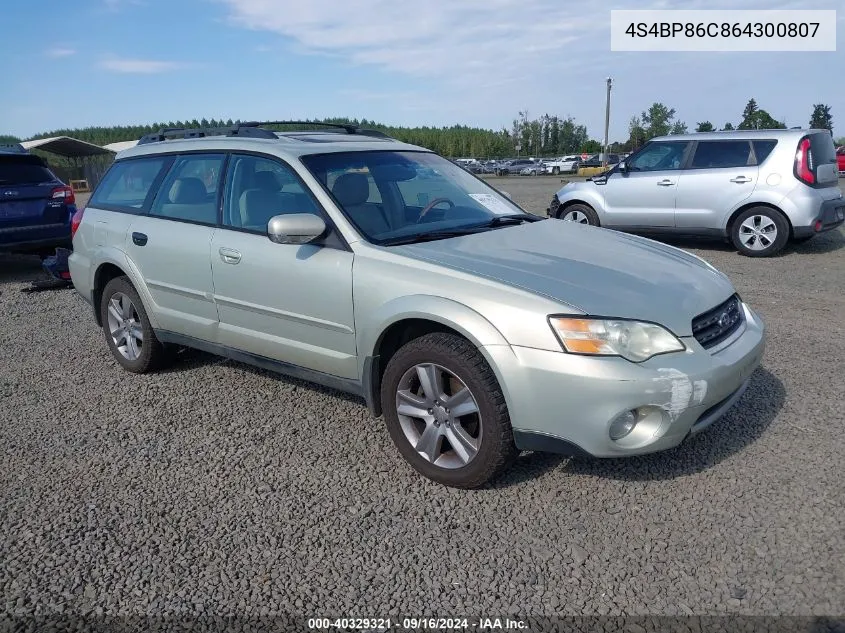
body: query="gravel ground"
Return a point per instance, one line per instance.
(216, 488)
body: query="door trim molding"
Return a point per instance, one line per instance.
(346, 385)
(283, 314)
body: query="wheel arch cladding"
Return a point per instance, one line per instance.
(408, 321)
(104, 274)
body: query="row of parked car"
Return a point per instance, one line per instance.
(535, 167)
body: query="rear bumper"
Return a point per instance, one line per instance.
(34, 237)
(831, 215)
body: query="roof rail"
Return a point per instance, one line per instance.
(349, 128)
(250, 129)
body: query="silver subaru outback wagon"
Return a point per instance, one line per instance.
(381, 269)
(757, 188)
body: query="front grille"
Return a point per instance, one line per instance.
(714, 326)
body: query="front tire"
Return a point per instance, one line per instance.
(127, 328)
(556, 171)
(579, 213)
(446, 413)
(760, 232)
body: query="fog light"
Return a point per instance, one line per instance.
(622, 425)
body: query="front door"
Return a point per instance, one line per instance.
(644, 194)
(291, 303)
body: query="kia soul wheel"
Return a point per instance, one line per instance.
(760, 232)
(445, 411)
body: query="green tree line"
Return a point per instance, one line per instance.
(544, 136)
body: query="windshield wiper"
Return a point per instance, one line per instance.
(429, 237)
(514, 218)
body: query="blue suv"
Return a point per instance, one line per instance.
(36, 208)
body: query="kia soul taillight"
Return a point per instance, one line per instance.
(804, 167)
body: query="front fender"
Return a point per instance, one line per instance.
(585, 195)
(464, 320)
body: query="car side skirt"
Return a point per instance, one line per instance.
(345, 385)
(669, 230)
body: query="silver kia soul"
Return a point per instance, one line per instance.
(758, 188)
(381, 269)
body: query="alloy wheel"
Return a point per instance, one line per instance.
(125, 326)
(575, 216)
(758, 232)
(439, 415)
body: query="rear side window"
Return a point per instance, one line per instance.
(721, 154)
(23, 170)
(127, 184)
(189, 192)
(763, 148)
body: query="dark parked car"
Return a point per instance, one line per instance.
(513, 166)
(36, 207)
(595, 160)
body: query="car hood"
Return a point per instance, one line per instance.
(598, 271)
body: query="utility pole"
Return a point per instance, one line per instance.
(607, 124)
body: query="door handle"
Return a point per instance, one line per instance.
(140, 239)
(230, 255)
(741, 180)
(665, 183)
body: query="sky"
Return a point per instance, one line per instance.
(432, 62)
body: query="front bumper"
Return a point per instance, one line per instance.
(831, 215)
(565, 403)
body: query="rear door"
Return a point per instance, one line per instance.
(720, 177)
(26, 186)
(171, 245)
(644, 195)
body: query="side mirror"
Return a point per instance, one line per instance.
(623, 167)
(295, 228)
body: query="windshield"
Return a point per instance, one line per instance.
(393, 196)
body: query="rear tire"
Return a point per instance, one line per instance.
(127, 328)
(760, 232)
(556, 171)
(478, 422)
(580, 213)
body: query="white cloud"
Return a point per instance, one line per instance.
(59, 52)
(141, 66)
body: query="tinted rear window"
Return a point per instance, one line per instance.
(821, 144)
(128, 182)
(762, 149)
(15, 170)
(721, 154)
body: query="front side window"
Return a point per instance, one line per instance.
(722, 154)
(189, 192)
(660, 156)
(394, 196)
(128, 182)
(259, 188)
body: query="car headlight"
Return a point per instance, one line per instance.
(633, 340)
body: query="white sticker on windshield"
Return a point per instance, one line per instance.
(492, 202)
